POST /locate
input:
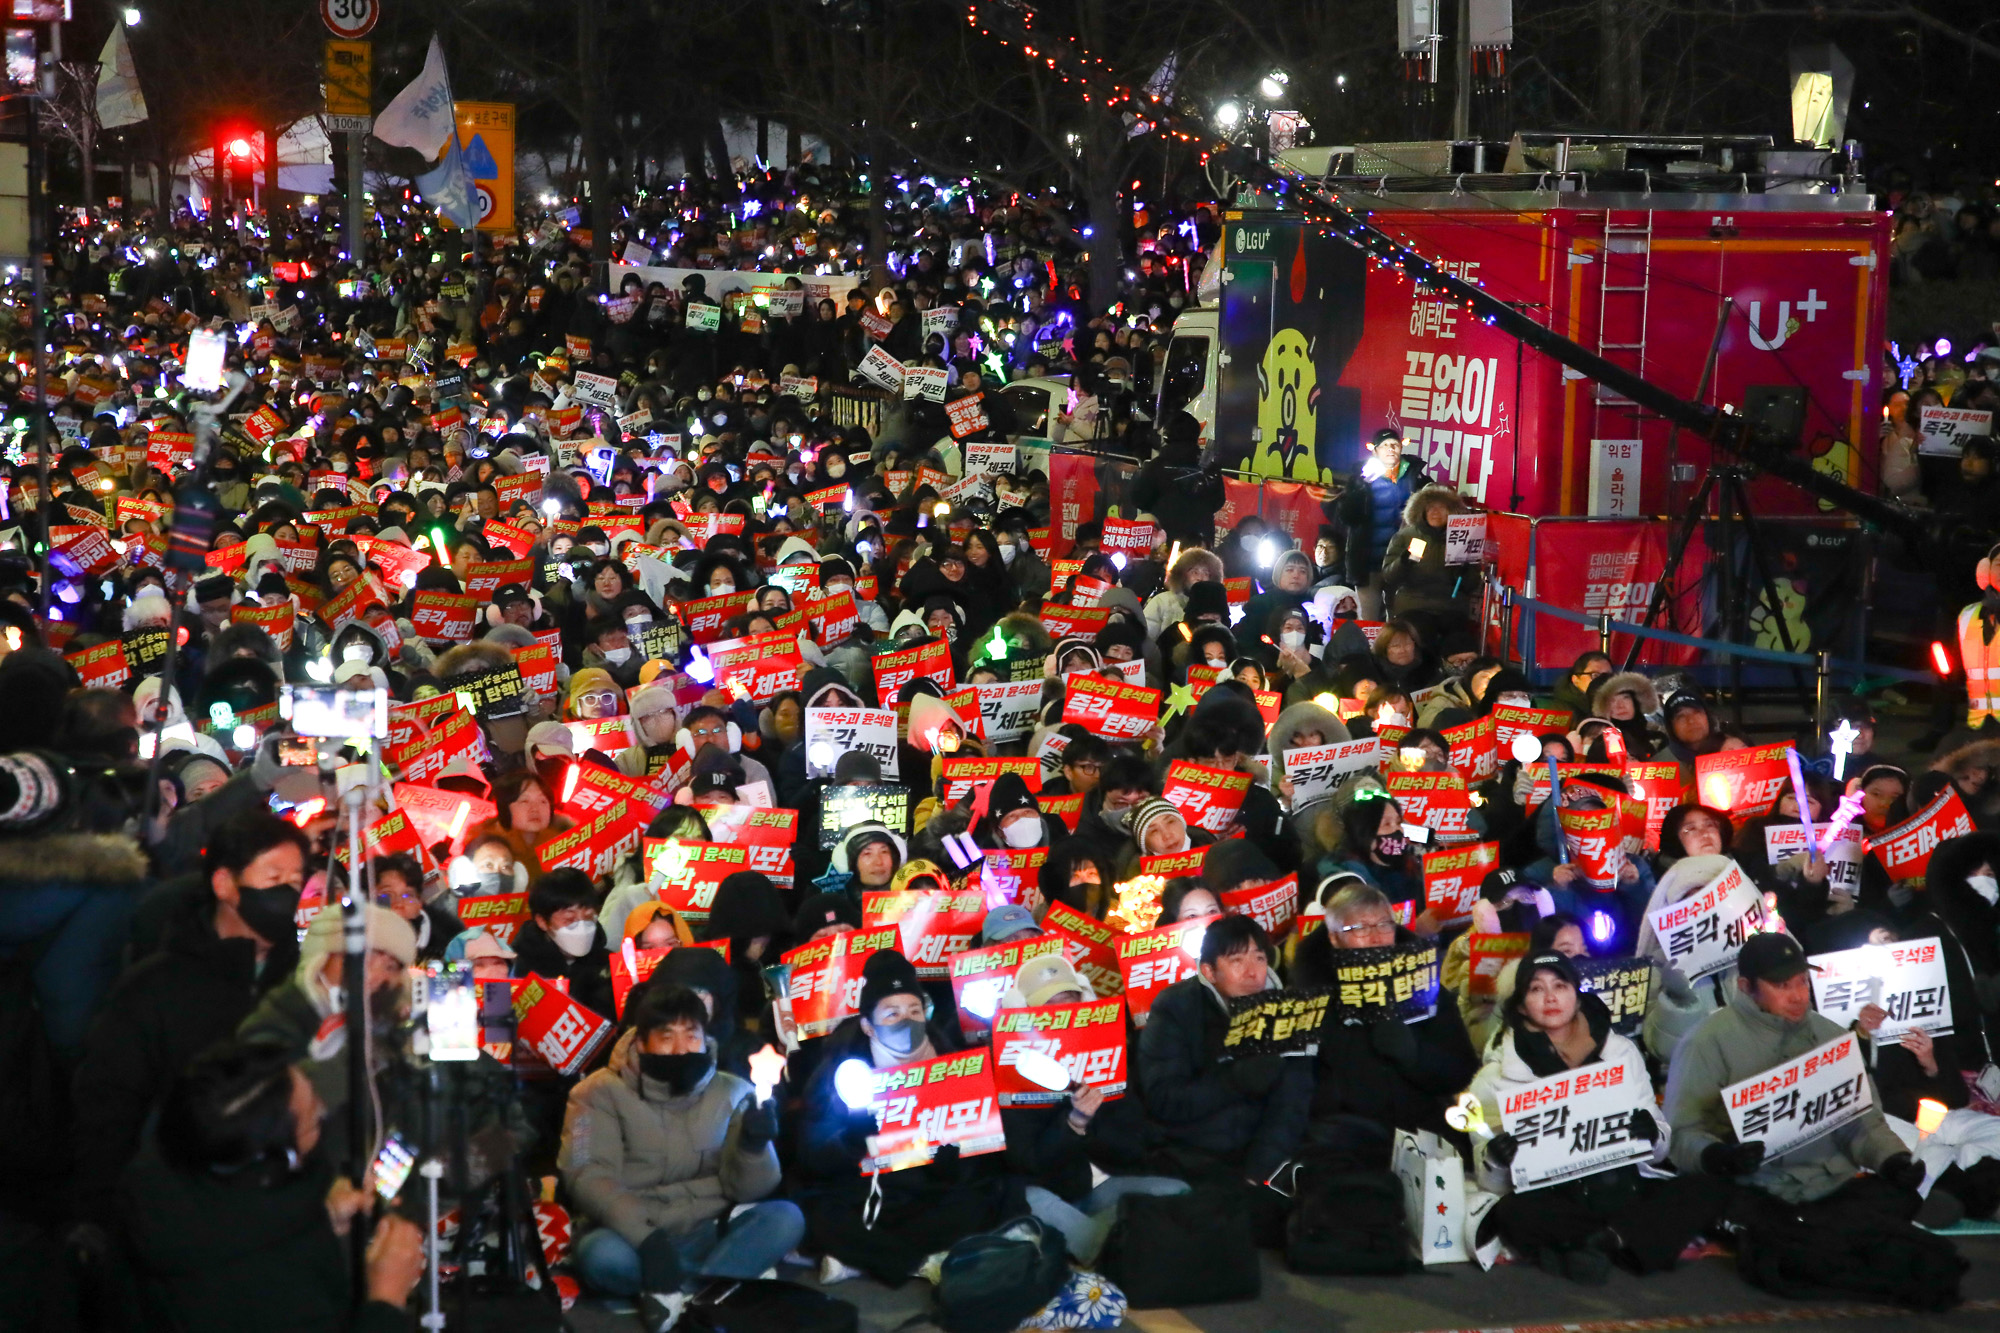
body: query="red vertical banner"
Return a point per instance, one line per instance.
(1239, 501)
(1072, 496)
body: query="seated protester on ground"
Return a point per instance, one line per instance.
(227, 939)
(1284, 652)
(1579, 1227)
(1404, 660)
(562, 939)
(527, 817)
(1768, 1021)
(1375, 849)
(1081, 763)
(708, 729)
(1690, 829)
(399, 886)
(1079, 878)
(1128, 779)
(864, 860)
(1221, 1120)
(234, 1219)
(1156, 829)
(1627, 700)
(659, 1151)
(1679, 1005)
(1054, 1147)
(1692, 730)
(1574, 690)
(1379, 1078)
(1962, 896)
(919, 1211)
(1569, 887)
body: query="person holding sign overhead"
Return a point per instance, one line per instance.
(1579, 1226)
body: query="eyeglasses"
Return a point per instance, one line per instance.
(1363, 927)
(597, 699)
(1087, 766)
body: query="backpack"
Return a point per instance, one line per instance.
(1347, 1222)
(763, 1306)
(1183, 1249)
(993, 1280)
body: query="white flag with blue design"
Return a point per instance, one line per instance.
(449, 189)
(421, 117)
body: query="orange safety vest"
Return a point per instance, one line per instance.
(1982, 666)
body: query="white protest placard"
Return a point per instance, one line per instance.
(1465, 539)
(926, 382)
(882, 370)
(993, 458)
(1843, 859)
(789, 302)
(596, 390)
(637, 255)
(1576, 1123)
(967, 488)
(799, 386)
(833, 732)
(1007, 708)
(1943, 431)
(1315, 770)
(1703, 932)
(1907, 979)
(1803, 1099)
(940, 320)
(704, 317)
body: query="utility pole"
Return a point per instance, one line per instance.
(1461, 101)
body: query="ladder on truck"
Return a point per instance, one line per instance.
(1623, 303)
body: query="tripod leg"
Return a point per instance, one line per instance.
(1676, 554)
(1767, 587)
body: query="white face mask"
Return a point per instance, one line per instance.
(721, 589)
(339, 465)
(1987, 887)
(617, 656)
(1023, 833)
(836, 469)
(575, 939)
(1292, 638)
(598, 549)
(1515, 700)
(1007, 552)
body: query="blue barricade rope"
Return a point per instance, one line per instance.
(1839, 664)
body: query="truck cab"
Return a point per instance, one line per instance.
(1187, 381)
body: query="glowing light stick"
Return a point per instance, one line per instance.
(1842, 739)
(1843, 815)
(1799, 791)
(767, 1069)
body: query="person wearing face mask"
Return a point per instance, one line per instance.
(563, 938)
(659, 1150)
(1013, 818)
(608, 648)
(718, 575)
(1375, 850)
(920, 1211)
(227, 940)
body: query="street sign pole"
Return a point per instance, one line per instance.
(357, 200)
(350, 87)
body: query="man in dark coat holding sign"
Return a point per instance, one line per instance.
(1377, 1078)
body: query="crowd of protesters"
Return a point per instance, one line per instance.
(639, 599)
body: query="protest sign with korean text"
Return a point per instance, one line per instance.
(833, 732)
(1114, 711)
(1745, 784)
(824, 983)
(1086, 1038)
(933, 925)
(1273, 906)
(1703, 932)
(1803, 1099)
(1452, 877)
(1576, 1123)
(895, 670)
(1207, 798)
(1906, 979)
(921, 1107)
(1389, 983)
(1624, 985)
(1277, 1022)
(1152, 960)
(980, 978)
(1905, 850)
(842, 808)
(561, 1031)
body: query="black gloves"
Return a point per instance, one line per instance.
(1732, 1159)
(1394, 1041)
(1647, 1129)
(1902, 1170)
(760, 1126)
(1257, 1075)
(1500, 1150)
(659, 1263)
(945, 1161)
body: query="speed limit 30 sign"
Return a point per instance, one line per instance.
(350, 18)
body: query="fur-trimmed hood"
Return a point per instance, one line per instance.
(85, 858)
(1198, 558)
(472, 659)
(1425, 497)
(1618, 682)
(1979, 754)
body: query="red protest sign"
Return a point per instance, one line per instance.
(276, 621)
(499, 914)
(454, 737)
(1126, 534)
(442, 816)
(1273, 906)
(1475, 753)
(685, 872)
(1086, 1039)
(1089, 945)
(1905, 851)
(519, 488)
(1510, 721)
(167, 449)
(87, 551)
(964, 772)
(1452, 877)
(1115, 711)
(484, 578)
(560, 1030)
(704, 616)
(411, 722)
(596, 790)
(1174, 865)
(1744, 783)
(748, 824)
(595, 845)
(966, 416)
(1490, 954)
(833, 617)
(537, 666)
(1012, 873)
(101, 667)
(933, 925)
(1659, 785)
(895, 670)
(980, 978)
(517, 540)
(1435, 800)
(1207, 798)
(765, 665)
(921, 1107)
(1594, 840)
(1068, 809)
(1152, 960)
(443, 616)
(350, 602)
(1065, 622)
(825, 983)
